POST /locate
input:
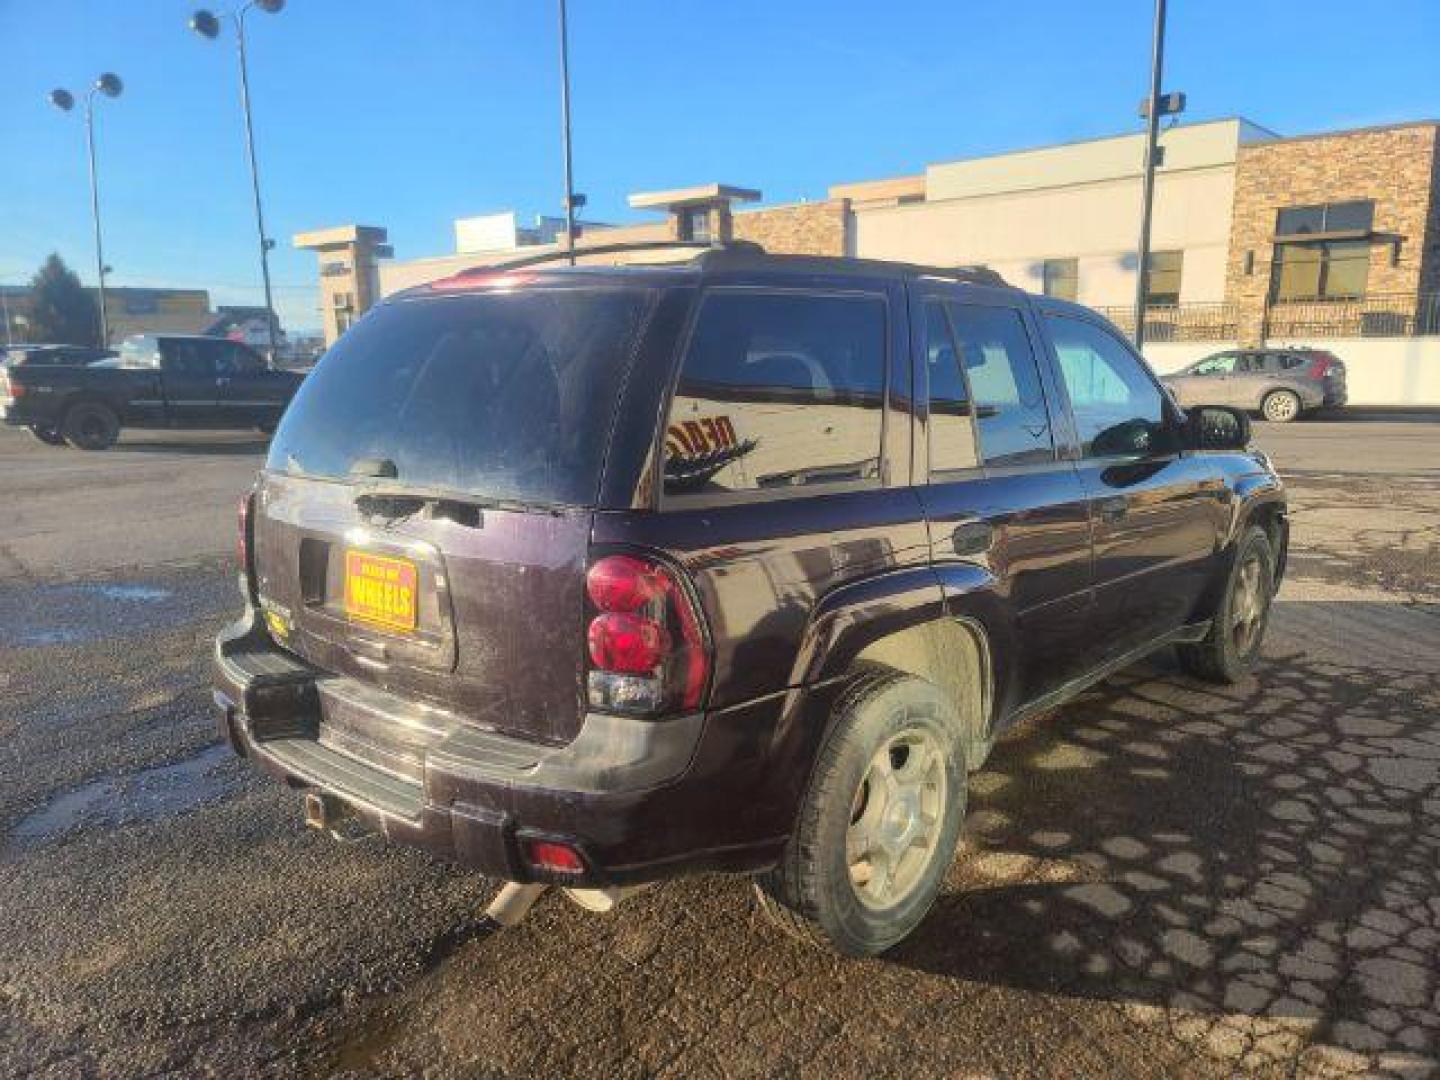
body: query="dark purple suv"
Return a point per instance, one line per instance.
(597, 575)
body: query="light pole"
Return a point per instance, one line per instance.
(1152, 109)
(565, 134)
(207, 25)
(110, 85)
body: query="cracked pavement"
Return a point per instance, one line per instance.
(1161, 877)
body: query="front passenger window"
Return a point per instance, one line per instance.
(1118, 408)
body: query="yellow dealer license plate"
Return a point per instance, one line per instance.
(381, 590)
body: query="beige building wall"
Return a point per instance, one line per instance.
(397, 275)
(1014, 211)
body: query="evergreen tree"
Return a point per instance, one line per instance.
(62, 312)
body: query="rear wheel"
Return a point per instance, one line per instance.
(1281, 406)
(48, 435)
(91, 425)
(879, 823)
(1230, 650)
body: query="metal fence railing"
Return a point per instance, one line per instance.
(1385, 315)
(1217, 321)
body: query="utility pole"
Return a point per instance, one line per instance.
(1152, 145)
(565, 134)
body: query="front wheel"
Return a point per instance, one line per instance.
(91, 425)
(1232, 647)
(879, 823)
(47, 435)
(1281, 406)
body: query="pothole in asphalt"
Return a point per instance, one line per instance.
(132, 798)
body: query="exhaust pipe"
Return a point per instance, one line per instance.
(604, 900)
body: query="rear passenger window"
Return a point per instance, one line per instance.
(994, 351)
(778, 391)
(952, 423)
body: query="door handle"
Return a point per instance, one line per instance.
(1114, 508)
(972, 538)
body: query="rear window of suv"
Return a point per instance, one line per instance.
(506, 395)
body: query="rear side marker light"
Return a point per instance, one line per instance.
(552, 856)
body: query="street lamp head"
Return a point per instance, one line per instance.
(109, 84)
(62, 99)
(270, 7)
(205, 24)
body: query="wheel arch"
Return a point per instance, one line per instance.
(900, 621)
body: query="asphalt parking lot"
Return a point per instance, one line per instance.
(1161, 878)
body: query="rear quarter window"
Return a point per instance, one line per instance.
(502, 394)
(778, 392)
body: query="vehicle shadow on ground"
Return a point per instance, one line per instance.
(1262, 858)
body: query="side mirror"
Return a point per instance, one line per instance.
(1217, 427)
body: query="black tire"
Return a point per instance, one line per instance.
(47, 435)
(812, 893)
(1226, 655)
(1281, 406)
(91, 425)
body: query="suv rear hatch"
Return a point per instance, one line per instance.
(422, 525)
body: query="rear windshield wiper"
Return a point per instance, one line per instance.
(395, 502)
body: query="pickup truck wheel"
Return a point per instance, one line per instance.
(48, 435)
(91, 425)
(878, 826)
(1281, 406)
(1230, 650)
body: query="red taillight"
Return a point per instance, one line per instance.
(624, 583)
(647, 648)
(620, 642)
(554, 857)
(1321, 365)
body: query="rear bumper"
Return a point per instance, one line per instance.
(639, 800)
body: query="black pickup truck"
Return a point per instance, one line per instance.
(157, 381)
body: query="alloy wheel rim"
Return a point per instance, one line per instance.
(895, 818)
(1280, 407)
(1247, 606)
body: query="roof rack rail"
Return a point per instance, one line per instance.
(700, 247)
(973, 275)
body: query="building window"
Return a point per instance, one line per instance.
(695, 224)
(1321, 270)
(1162, 277)
(1355, 216)
(1062, 278)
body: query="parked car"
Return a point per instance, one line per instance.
(597, 576)
(1281, 384)
(53, 355)
(156, 381)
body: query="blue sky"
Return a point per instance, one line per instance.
(410, 113)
